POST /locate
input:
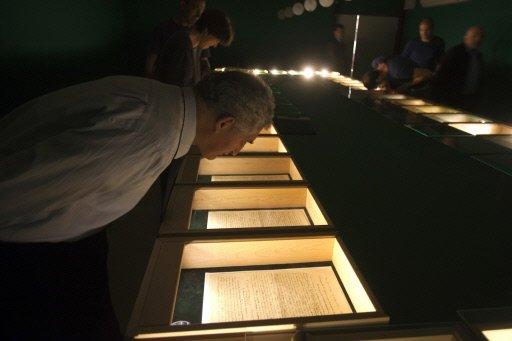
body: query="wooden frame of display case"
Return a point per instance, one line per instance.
(155, 304)
(262, 145)
(195, 166)
(488, 324)
(422, 332)
(187, 198)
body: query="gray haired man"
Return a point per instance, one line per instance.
(77, 159)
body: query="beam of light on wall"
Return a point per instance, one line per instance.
(354, 48)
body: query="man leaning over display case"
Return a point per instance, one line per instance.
(75, 160)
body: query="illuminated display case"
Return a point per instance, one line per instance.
(239, 208)
(231, 286)
(229, 169)
(457, 118)
(431, 109)
(494, 324)
(483, 128)
(505, 141)
(263, 144)
(271, 130)
(409, 102)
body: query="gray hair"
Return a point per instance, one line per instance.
(241, 95)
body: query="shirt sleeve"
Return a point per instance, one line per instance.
(85, 168)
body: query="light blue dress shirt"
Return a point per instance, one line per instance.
(77, 159)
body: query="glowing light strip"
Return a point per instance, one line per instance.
(354, 47)
(255, 329)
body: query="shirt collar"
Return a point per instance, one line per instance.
(189, 125)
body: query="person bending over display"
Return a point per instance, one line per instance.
(189, 12)
(395, 74)
(79, 158)
(179, 60)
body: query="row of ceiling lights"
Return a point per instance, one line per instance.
(299, 7)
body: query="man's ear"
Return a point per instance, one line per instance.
(224, 122)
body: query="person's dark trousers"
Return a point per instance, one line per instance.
(57, 291)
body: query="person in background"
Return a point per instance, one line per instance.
(79, 158)
(189, 12)
(458, 78)
(336, 50)
(395, 73)
(427, 49)
(178, 62)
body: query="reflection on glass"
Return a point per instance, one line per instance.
(410, 102)
(393, 96)
(505, 141)
(457, 118)
(431, 109)
(483, 128)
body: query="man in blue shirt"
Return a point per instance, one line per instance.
(427, 49)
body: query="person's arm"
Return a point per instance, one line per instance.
(149, 69)
(157, 40)
(420, 75)
(406, 53)
(205, 63)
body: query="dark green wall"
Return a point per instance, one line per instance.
(495, 16)
(45, 45)
(260, 39)
(49, 45)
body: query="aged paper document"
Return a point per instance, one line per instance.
(262, 177)
(257, 218)
(270, 294)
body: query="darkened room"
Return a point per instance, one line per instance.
(256, 170)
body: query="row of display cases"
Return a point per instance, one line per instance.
(480, 137)
(246, 248)
(247, 252)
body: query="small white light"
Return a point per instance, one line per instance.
(274, 72)
(288, 12)
(326, 3)
(310, 5)
(293, 72)
(298, 8)
(324, 73)
(308, 72)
